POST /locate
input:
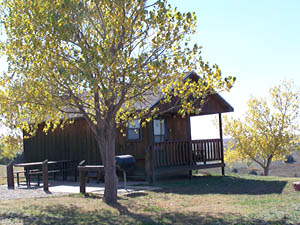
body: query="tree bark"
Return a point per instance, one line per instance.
(266, 168)
(266, 171)
(106, 145)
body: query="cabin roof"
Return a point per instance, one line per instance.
(152, 101)
(226, 107)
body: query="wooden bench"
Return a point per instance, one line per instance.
(53, 171)
(53, 167)
(22, 172)
(39, 173)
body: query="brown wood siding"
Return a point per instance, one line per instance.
(76, 142)
(177, 128)
(136, 148)
(213, 105)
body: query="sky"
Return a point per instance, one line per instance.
(256, 41)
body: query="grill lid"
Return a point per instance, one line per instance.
(125, 161)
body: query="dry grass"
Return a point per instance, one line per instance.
(204, 200)
(3, 174)
(277, 168)
(2, 170)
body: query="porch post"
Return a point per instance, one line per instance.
(189, 145)
(189, 129)
(221, 139)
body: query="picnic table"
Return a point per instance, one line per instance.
(40, 169)
(35, 168)
(82, 173)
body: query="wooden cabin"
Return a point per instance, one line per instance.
(163, 146)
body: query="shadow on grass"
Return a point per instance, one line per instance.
(99, 196)
(135, 195)
(58, 214)
(223, 185)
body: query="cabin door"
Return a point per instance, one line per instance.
(159, 130)
(160, 135)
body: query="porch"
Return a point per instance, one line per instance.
(188, 155)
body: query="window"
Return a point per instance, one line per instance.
(134, 130)
(159, 130)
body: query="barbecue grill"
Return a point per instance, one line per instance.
(125, 163)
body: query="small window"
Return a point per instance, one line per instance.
(159, 130)
(134, 130)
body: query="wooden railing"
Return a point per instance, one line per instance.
(177, 153)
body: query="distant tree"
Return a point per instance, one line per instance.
(103, 59)
(10, 145)
(270, 130)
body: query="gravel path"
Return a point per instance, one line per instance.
(24, 192)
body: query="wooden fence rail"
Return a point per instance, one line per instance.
(187, 155)
(176, 153)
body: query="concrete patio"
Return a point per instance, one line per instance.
(91, 187)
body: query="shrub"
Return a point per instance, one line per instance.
(253, 172)
(289, 159)
(234, 170)
(295, 175)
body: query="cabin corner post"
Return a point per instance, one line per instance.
(221, 140)
(189, 145)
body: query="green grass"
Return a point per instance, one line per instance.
(204, 200)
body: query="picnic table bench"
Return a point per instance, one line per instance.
(40, 169)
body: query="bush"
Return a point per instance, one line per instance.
(295, 175)
(289, 159)
(234, 170)
(253, 172)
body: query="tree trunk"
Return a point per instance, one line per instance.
(266, 168)
(266, 171)
(107, 149)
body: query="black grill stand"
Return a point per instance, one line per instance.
(124, 178)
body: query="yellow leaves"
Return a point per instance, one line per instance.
(10, 145)
(124, 54)
(269, 130)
